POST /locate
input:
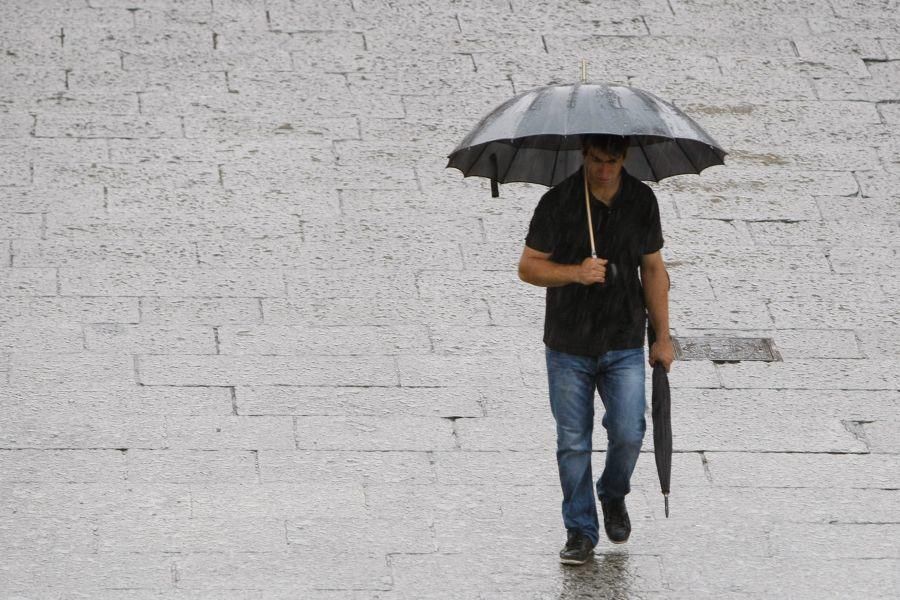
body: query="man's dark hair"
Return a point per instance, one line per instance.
(613, 145)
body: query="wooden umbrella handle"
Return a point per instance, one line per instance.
(587, 204)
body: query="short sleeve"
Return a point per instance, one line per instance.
(654, 240)
(542, 230)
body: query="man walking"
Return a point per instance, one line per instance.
(594, 329)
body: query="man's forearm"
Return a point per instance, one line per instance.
(656, 297)
(546, 273)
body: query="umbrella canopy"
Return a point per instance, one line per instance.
(662, 422)
(535, 137)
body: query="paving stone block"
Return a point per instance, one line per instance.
(278, 500)
(470, 574)
(358, 281)
(865, 21)
(359, 311)
(481, 340)
(365, 433)
(870, 374)
(399, 533)
(30, 465)
(864, 210)
(24, 310)
(823, 233)
(749, 260)
(722, 24)
(100, 281)
(455, 42)
(731, 207)
(490, 285)
(209, 59)
(352, 402)
(50, 534)
(50, 199)
(315, 134)
(17, 172)
(800, 576)
(199, 311)
(16, 124)
(749, 313)
(124, 175)
(226, 532)
(255, 369)
(831, 314)
(61, 572)
(51, 125)
(838, 43)
(822, 66)
(457, 370)
(208, 432)
(83, 369)
(648, 46)
(878, 341)
(863, 260)
(803, 470)
(134, 401)
(322, 340)
(539, 69)
(344, 467)
(880, 86)
(758, 183)
(732, 420)
(851, 541)
(801, 286)
(20, 225)
(70, 427)
(213, 204)
(218, 151)
(817, 343)
(506, 433)
(770, 508)
(23, 281)
(89, 502)
(22, 86)
(878, 183)
(286, 570)
(86, 253)
(371, 227)
(880, 434)
(190, 466)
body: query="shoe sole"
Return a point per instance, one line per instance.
(572, 561)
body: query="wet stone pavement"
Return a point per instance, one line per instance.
(257, 343)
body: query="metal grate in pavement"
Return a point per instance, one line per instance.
(725, 349)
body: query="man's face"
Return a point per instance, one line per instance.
(602, 169)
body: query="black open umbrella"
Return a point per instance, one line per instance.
(535, 137)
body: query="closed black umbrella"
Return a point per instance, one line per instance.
(662, 422)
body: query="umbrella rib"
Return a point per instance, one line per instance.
(511, 161)
(647, 158)
(686, 155)
(480, 154)
(556, 158)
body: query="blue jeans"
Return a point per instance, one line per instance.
(618, 376)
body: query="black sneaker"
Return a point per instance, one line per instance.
(615, 520)
(578, 550)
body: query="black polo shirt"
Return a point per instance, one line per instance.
(591, 320)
